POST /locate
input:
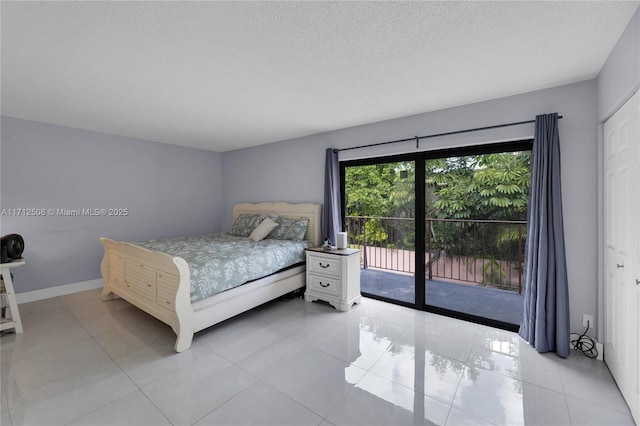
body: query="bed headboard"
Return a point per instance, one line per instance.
(304, 210)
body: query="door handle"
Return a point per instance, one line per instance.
(619, 265)
(637, 282)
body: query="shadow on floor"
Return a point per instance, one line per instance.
(500, 305)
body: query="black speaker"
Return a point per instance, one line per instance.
(11, 248)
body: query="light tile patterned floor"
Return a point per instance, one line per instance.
(84, 362)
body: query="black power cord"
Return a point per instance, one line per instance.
(585, 344)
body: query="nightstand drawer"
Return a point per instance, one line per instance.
(323, 265)
(324, 285)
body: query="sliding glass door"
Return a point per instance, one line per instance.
(442, 231)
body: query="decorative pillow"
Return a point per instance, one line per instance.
(273, 216)
(246, 223)
(263, 230)
(290, 229)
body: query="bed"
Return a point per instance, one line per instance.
(160, 283)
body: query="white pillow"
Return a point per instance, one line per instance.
(263, 230)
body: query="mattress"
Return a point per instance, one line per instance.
(219, 262)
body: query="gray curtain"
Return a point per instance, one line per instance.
(545, 319)
(331, 217)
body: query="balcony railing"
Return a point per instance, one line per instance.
(481, 252)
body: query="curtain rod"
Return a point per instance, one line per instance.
(435, 135)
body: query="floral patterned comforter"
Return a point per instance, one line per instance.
(219, 262)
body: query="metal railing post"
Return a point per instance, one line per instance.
(364, 245)
(430, 266)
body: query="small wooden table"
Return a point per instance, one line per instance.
(13, 322)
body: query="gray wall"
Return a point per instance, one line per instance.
(168, 190)
(618, 80)
(293, 170)
(619, 77)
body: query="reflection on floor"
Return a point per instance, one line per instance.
(84, 362)
(491, 303)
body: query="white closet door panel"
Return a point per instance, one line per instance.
(635, 259)
(622, 250)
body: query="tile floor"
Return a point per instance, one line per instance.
(84, 362)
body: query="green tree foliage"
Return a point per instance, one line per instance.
(381, 191)
(490, 186)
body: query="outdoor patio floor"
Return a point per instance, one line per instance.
(494, 304)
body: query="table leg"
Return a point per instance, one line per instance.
(11, 296)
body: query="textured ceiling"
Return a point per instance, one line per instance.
(227, 75)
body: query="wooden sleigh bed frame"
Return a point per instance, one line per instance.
(160, 284)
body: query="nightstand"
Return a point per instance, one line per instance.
(334, 277)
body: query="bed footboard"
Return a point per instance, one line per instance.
(155, 282)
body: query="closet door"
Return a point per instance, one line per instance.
(622, 250)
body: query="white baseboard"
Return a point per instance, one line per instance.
(47, 293)
(600, 349)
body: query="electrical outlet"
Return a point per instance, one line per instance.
(587, 321)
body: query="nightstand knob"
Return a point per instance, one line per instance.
(324, 285)
(324, 266)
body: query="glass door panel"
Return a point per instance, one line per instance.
(475, 230)
(379, 199)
